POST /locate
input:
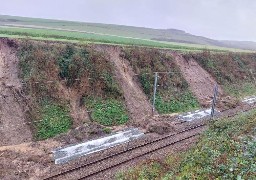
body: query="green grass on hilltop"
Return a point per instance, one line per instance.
(61, 35)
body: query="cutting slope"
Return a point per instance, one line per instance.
(13, 128)
(200, 81)
(136, 101)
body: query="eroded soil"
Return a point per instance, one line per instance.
(200, 81)
(13, 125)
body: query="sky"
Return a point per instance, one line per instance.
(217, 19)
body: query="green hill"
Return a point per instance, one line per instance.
(112, 33)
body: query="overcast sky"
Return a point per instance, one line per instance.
(218, 19)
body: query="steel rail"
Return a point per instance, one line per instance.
(127, 150)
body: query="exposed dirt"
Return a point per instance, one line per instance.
(78, 113)
(26, 161)
(200, 81)
(81, 133)
(13, 127)
(135, 99)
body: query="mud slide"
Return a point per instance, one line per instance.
(200, 81)
(13, 127)
(136, 101)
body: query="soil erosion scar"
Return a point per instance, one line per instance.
(13, 129)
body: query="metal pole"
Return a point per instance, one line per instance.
(154, 97)
(214, 100)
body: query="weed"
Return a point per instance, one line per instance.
(72, 64)
(107, 130)
(185, 102)
(241, 90)
(54, 120)
(107, 112)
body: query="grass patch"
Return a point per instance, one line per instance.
(184, 103)
(54, 120)
(241, 90)
(108, 112)
(227, 150)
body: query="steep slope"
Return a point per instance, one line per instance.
(135, 99)
(13, 127)
(200, 81)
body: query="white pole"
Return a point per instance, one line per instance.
(154, 97)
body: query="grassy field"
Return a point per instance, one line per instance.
(44, 29)
(60, 35)
(227, 150)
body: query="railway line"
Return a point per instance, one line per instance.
(93, 168)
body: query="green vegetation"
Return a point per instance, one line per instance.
(227, 150)
(107, 130)
(108, 33)
(234, 71)
(54, 120)
(173, 94)
(185, 103)
(241, 90)
(49, 69)
(107, 112)
(45, 34)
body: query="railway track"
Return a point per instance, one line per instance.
(93, 168)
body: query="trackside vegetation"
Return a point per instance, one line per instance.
(227, 150)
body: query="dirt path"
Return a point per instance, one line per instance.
(136, 101)
(200, 81)
(12, 117)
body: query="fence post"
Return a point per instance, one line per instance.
(154, 97)
(214, 100)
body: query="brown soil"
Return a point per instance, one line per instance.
(135, 99)
(78, 113)
(13, 127)
(26, 161)
(200, 81)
